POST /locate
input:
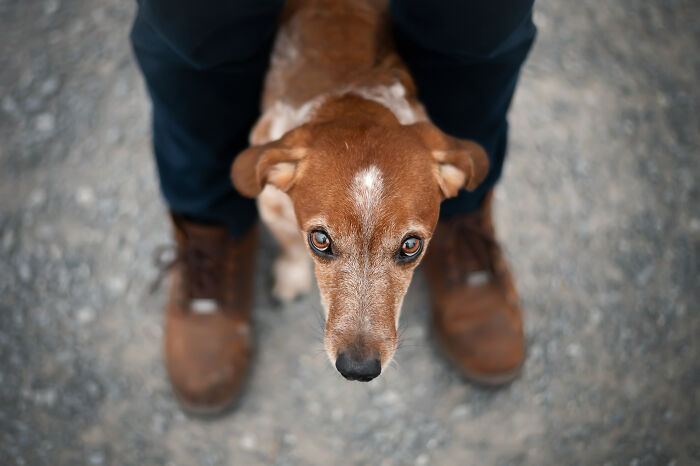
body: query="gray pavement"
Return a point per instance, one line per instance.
(599, 210)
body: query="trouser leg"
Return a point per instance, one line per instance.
(204, 65)
(465, 57)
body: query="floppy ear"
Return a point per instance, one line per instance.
(274, 163)
(460, 163)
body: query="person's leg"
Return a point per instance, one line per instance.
(465, 57)
(204, 66)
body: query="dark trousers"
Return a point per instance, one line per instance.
(204, 66)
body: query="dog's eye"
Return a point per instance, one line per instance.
(410, 250)
(411, 246)
(320, 243)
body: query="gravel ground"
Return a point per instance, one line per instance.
(598, 209)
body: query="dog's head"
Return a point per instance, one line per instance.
(367, 200)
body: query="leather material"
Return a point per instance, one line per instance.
(208, 347)
(477, 319)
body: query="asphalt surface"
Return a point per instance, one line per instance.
(599, 210)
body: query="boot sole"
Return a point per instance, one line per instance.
(208, 412)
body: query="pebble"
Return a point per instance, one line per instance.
(116, 286)
(96, 457)
(85, 315)
(85, 196)
(51, 7)
(9, 105)
(422, 460)
(695, 225)
(37, 198)
(248, 442)
(49, 86)
(25, 272)
(8, 240)
(45, 122)
(461, 411)
(574, 350)
(289, 439)
(158, 424)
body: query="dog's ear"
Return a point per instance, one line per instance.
(272, 163)
(460, 163)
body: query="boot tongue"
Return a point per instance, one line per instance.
(201, 252)
(473, 244)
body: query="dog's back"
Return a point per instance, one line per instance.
(324, 45)
(327, 48)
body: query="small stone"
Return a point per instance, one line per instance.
(574, 350)
(390, 397)
(644, 276)
(9, 105)
(25, 273)
(461, 411)
(289, 439)
(158, 424)
(37, 198)
(85, 315)
(422, 460)
(45, 397)
(337, 414)
(695, 225)
(116, 286)
(248, 442)
(49, 86)
(96, 457)
(8, 240)
(32, 103)
(113, 136)
(45, 122)
(85, 195)
(51, 7)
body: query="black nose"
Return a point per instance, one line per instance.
(363, 370)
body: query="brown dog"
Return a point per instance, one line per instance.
(348, 171)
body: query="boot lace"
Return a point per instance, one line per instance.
(201, 267)
(474, 250)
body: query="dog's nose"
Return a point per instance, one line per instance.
(363, 370)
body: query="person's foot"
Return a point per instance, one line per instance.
(208, 334)
(477, 319)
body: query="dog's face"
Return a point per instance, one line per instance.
(367, 200)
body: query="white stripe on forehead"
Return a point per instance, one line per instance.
(367, 191)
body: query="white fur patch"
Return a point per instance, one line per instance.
(367, 191)
(392, 97)
(292, 268)
(283, 117)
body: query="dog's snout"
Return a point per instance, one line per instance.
(363, 369)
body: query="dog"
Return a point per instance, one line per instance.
(349, 173)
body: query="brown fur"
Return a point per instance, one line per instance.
(349, 166)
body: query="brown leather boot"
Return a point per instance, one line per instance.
(477, 320)
(208, 334)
